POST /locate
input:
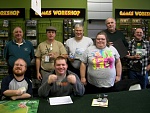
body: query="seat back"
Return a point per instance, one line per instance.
(135, 87)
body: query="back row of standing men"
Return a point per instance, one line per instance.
(102, 61)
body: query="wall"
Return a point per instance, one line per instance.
(124, 4)
(47, 4)
(130, 4)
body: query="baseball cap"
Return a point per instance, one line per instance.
(51, 28)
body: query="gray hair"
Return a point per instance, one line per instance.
(109, 18)
(78, 25)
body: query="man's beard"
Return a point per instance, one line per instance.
(18, 73)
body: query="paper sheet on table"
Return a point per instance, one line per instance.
(101, 104)
(60, 100)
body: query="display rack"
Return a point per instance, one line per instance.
(31, 32)
(4, 38)
(67, 29)
(128, 26)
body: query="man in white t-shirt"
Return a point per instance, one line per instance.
(76, 46)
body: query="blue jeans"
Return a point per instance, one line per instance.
(137, 75)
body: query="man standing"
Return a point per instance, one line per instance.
(61, 82)
(16, 85)
(139, 50)
(76, 46)
(112, 33)
(19, 48)
(46, 53)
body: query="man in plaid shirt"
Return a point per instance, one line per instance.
(139, 51)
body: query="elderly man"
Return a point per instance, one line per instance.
(19, 48)
(46, 53)
(139, 50)
(16, 85)
(112, 33)
(61, 82)
(76, 46)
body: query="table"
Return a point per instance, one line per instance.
(119, 102)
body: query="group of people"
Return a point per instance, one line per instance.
(81, 66)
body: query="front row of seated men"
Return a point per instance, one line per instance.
(61, 82)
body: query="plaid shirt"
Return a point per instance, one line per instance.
(144, 60)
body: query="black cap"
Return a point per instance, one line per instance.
(51, 28)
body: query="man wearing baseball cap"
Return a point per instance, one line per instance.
(46, 53)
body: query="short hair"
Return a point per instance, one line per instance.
(137, 28)
(16, 28)
(110, 18)
(21, 59)
(60, 58)
(102, 33)
(78, 25)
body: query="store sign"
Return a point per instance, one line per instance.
(132, 13)
(12, 12)
(59, 13)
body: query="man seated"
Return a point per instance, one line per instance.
(16, 85)
(61, 82)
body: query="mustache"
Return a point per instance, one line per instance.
(17, 68)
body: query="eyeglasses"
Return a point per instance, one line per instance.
(21, 65)
(139, 32)
(100, 39)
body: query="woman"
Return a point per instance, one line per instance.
(103, 66)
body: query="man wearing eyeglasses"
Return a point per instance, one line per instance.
(139, 52)
(46, 52)
(16, 85)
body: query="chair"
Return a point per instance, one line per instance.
(135, 87)
(127, 85)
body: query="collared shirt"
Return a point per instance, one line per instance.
(13, 51)
(144, 59)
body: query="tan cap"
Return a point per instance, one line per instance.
(51, 28)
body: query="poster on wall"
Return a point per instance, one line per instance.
(59, 13)
(36, 6)
(132, 13)
(12, 12)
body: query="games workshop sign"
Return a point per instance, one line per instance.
(59, 13)
(132, 13)
(12, 12)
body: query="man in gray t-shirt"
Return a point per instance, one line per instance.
(76, 46)
(16, 85)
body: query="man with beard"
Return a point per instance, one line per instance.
(61, 82)
(16, 85)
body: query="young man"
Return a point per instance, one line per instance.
(46, 52)
(19, 48)
(61, 82)
(16, 85)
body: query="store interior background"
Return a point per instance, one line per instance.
(91, 27)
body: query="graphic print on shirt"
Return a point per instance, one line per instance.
(102, 59)
(78, 53)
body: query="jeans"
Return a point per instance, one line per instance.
(137, 75)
